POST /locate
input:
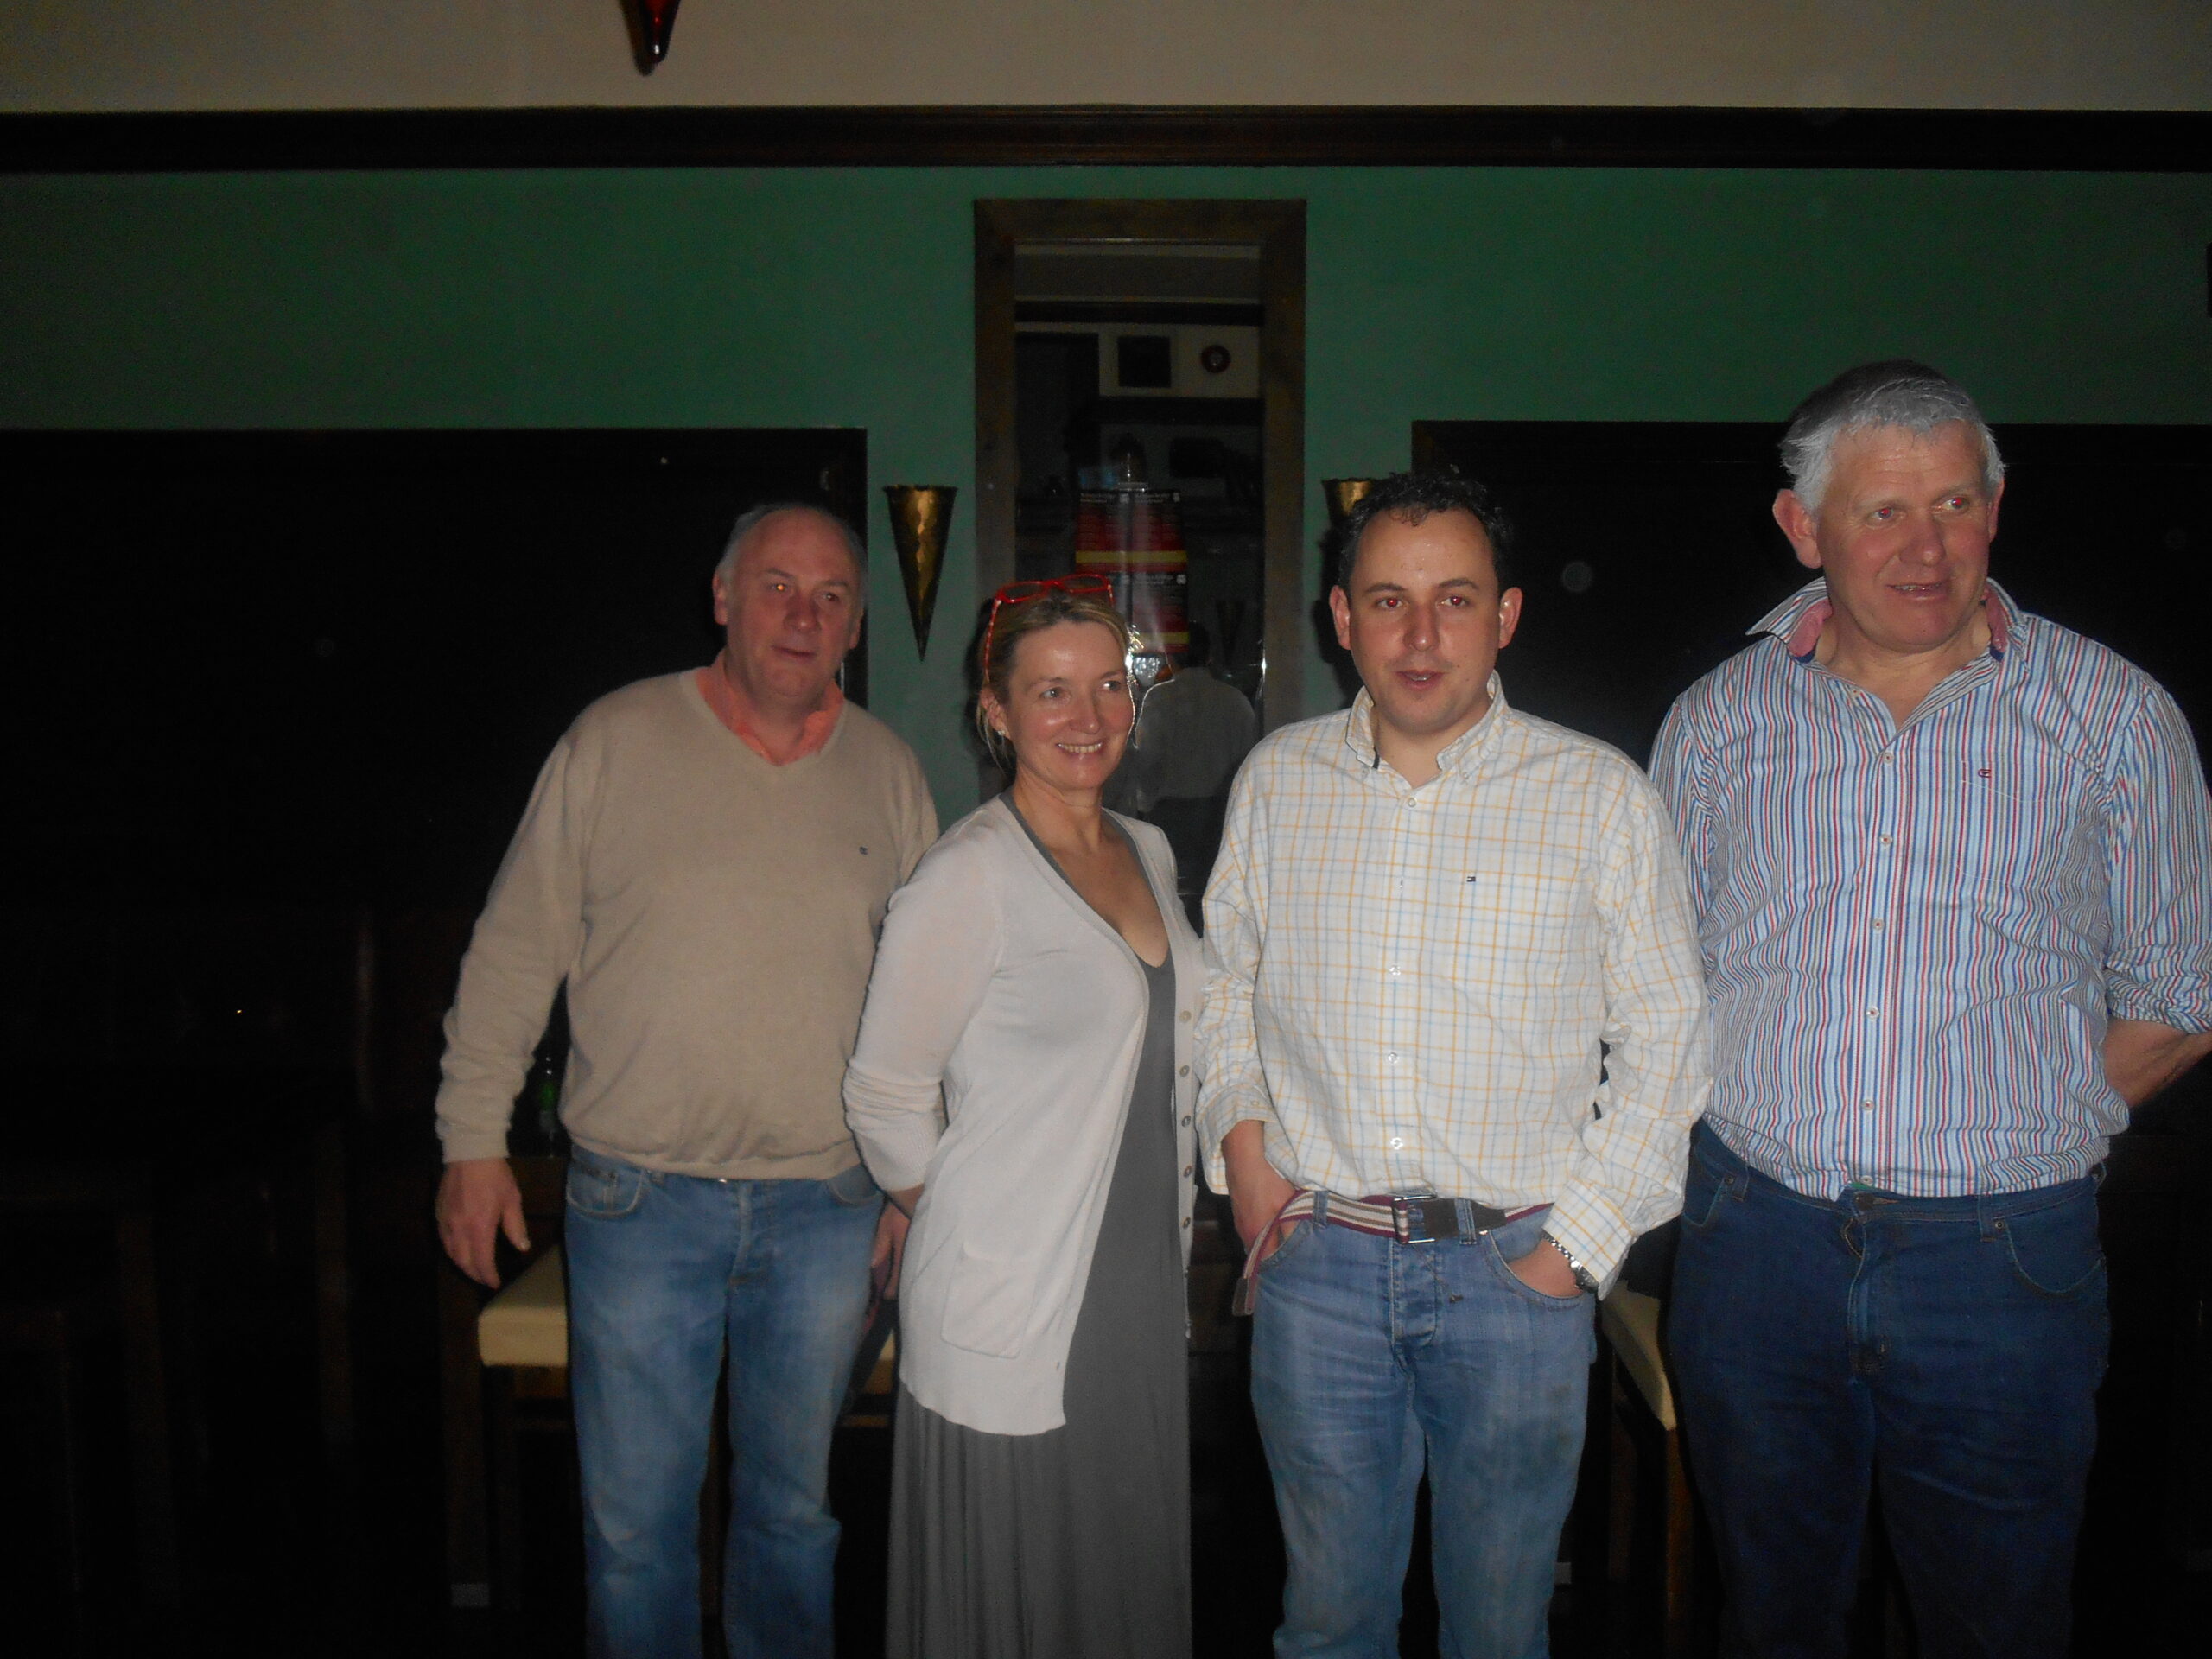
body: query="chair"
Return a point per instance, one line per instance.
(528, 1326)
(1646, 1436)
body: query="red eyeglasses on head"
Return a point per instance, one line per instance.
(1021, 593)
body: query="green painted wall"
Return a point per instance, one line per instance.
(842, 297)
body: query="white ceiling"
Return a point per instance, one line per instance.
(124, 55)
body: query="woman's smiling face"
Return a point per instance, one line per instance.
(1068, 710)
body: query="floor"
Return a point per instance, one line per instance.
(295, 1544)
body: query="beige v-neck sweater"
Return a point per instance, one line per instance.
(715, 916)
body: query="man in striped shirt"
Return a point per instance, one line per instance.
(1432, 918)
(1948, 865)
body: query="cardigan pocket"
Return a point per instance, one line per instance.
(988, 1304)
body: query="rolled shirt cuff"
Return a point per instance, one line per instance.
(1592, 1231)
(1216, 1119)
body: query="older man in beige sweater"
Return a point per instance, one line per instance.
(705, 862)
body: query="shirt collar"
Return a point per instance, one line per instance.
(1797, 621)
(1359, 731)
(813, 733)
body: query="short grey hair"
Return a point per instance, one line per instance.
(753, 518)
(1898, 393)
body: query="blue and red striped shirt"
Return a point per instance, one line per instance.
(1915, 935)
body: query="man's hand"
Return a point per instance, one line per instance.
(477, 1201)
(1545, 1270)
(1257, 1193)
(890, 1251)
(2143, 1057)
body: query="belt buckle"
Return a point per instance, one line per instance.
(1414, 1219)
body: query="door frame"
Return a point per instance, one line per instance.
(1277, 228)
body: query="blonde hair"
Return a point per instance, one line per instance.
(1003, 633)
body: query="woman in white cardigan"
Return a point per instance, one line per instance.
(1022, 1088)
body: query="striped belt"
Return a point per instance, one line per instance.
(1412, 1218)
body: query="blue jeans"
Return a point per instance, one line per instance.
(1943, 1351)
(663, 1271)
(1369, 1357)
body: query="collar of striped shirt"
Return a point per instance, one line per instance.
(1460, 754)
(1797, 621)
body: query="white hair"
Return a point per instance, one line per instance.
(753, 518)
(1910, 397)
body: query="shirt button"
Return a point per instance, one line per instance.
(1187, 1171)
(1186, 1122)
(1864, 1106)
(1389, 1059)
(1886, 841)
(1877, 923)
(1186, 1221)
(1182, 1071)
(1874, 1014)
(1397, 1142)
(1184, 1016)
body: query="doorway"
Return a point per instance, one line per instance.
(1160, 345)
(1140, 415)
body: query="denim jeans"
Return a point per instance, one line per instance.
(1369, 1357)
(663, 1271)
(1944, 1352)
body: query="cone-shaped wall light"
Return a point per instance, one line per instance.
(651, 22)
(921, 517)
(1342, 495)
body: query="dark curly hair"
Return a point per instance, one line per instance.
(1411, 497)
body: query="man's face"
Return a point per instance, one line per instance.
(790, 610)
(1424, 620)
(1903, 537)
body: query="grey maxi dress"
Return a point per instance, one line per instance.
(1073, 1544)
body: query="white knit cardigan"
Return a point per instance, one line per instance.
(1004, 1022)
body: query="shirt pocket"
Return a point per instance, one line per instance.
(1512, 922)
(2017, 838)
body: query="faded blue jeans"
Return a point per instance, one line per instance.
(663, 1271)
(1371, 1358)
(1942, 1352)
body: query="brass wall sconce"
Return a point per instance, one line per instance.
(921, 519)
(1342, 495)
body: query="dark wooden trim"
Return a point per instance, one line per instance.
(1278, 230)
(2146, 141)
(1282, 462)
(998, 457)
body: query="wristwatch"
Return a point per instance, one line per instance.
(1583, 1276)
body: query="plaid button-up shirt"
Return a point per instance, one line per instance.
(1914, 935)
(1488, 986)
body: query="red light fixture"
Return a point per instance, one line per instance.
(651, 22)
